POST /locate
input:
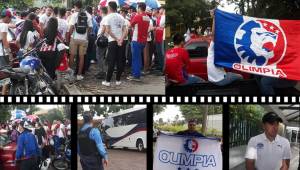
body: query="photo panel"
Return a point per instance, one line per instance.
(113, 136)
(36, 136)
(187, 137)
(264, 136)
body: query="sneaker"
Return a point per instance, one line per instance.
(118, 83)
(79, 77)
(105, 83)
(133, 78)
(93, 61)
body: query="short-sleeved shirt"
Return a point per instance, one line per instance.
(177, 62)
(116, 23)
(73, 21)
(44, 20)
(3, 29)
(30, 39)
(140, 24)
(190, 133)
(101, 26)
(215, 74)
(159, 32)
(62, 27)
(268, 155)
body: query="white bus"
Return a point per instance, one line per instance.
(126, 129)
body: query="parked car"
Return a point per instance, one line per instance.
(7, 153)
(198, 51)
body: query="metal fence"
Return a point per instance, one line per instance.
(241, 131)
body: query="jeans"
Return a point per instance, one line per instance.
(192, 79)
(229, 78)
(115, 57)
(56, 144)
(267, 84)
(91, 162)
(160, 55)
(136, 49)
(101, 55)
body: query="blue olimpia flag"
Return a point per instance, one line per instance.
(174, 152)
(261, 46)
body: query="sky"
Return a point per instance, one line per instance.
(169, 113)
(227, 7)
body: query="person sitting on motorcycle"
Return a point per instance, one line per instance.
(27, 38)
(177, 63)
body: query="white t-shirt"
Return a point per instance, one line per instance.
(116, 23)
(30, 38)
(214, 73)
(60, 130)
(3, 29)
(62, 27)
(268, 155)
(101, 26)
(127, 24)
(73, 21)
(44, 20)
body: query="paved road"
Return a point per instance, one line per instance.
(120, 159)
(151, 84)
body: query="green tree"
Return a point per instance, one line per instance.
(158, 108)
(53, 114)
(29, 109)
(284, 9)
(246, 112)
(5, 112)
(200, 113)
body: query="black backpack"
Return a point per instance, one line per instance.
(102, 41)
(81, 25)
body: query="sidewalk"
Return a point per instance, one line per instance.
(236, 157)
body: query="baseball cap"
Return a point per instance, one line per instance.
(271, 117)
(6, 13)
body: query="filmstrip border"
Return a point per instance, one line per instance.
(151, 99)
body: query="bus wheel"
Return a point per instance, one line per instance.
(140, 145)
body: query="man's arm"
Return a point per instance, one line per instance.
(285, 164)
(250, 164)
(108, 31)
(95, 135)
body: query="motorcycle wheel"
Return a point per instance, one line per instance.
(17, 89)
(60, 164)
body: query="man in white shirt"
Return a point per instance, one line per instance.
(116, 29)
(45, 17)
(5, 52)
(268, 151)
(62, 23)
(79, 39)
(101, 51)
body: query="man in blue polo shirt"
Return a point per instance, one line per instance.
(27, 149)
(90, 146)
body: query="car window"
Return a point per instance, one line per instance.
(197, 49)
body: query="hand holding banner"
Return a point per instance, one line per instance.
(174, 152)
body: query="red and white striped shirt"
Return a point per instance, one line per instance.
(140, 24)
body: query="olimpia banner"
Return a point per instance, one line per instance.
(174, 152)
(260, 46)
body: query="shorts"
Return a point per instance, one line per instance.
(4, 78)
(78, 45)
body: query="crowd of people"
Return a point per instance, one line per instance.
(42, 139)
(119, 39)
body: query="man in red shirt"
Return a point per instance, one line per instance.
(140, 25)
(177, 63)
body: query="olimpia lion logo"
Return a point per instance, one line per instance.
(191, 145)
(260, 42)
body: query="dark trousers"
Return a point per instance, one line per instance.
(114, 57)
(91, 162)
(50, 61)
(29, 164)
(91, 52)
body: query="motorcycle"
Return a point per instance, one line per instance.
(31, 78)
(63, 160)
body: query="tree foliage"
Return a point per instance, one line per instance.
(5, 112)
(189, 13)
(246, 112)
(29, 109)
(283, 9)
(197, 111)
(157, 109)
(53, 114)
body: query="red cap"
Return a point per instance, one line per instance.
(6, 13)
